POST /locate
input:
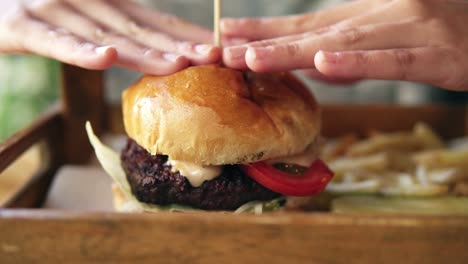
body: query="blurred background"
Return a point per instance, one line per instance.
(29, 84)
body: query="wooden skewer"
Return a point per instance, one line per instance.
(217, 18)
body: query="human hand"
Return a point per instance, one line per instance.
(414, 40)
(96, 34)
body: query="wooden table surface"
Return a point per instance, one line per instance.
(54, 237)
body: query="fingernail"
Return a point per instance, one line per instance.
(237, 41)
(236, 53)
(103, 50)
(328, 57)
(258, 53)
(203, 48)
(171, 57)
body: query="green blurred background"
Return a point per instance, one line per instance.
(28, 85)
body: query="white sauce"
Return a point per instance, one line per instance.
(304, 159)
(195, 174)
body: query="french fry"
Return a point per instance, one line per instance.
(428, 138)
(447, 175)
(376, 162)
(403, 142)
(442, 158)
(379, 162)
(333, 149)
(363, 186)
(416, 163)
(405, 185)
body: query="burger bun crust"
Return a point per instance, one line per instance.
(210, 115)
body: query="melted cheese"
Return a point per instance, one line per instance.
(197, 174)
(194, 173)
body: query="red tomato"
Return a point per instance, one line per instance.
(311, 182)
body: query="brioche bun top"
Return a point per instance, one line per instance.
(210, 115)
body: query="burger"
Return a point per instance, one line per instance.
(213, 138)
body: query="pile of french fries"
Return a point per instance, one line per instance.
(415, 163)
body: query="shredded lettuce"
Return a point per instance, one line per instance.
(110, 161)
(260, 207)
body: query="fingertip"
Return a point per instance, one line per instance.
(175, 61)
(326, 62)
(162, 64)
(257, 59)
(234, 57)
(206, 54)
(107, 56)
(90, 57)
(214, 55)
(106, 51)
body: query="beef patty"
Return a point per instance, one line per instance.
(152, 181)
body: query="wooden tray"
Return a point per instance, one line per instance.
(30, 235)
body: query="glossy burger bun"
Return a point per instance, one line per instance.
(210, 115)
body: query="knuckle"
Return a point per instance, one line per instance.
(324, 30)
(185, 46)
(99, 35)
(362, 58)
(404, 59)
(169, 19)
(352, 36)
(293, 50)
(265, 43)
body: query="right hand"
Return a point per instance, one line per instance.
(412, 40)
(97, 34)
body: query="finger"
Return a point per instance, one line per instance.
(234, 56)
(316, 75)
(143, 59)
(166, 23)
(437, 66)
(113, 18)
(265, 28)
(300, 54)
(131, 54)
(33, 36)
(61, 15)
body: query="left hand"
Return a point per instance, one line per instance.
(415, 40)
(96, 34)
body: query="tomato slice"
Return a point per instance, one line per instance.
(310, 182)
